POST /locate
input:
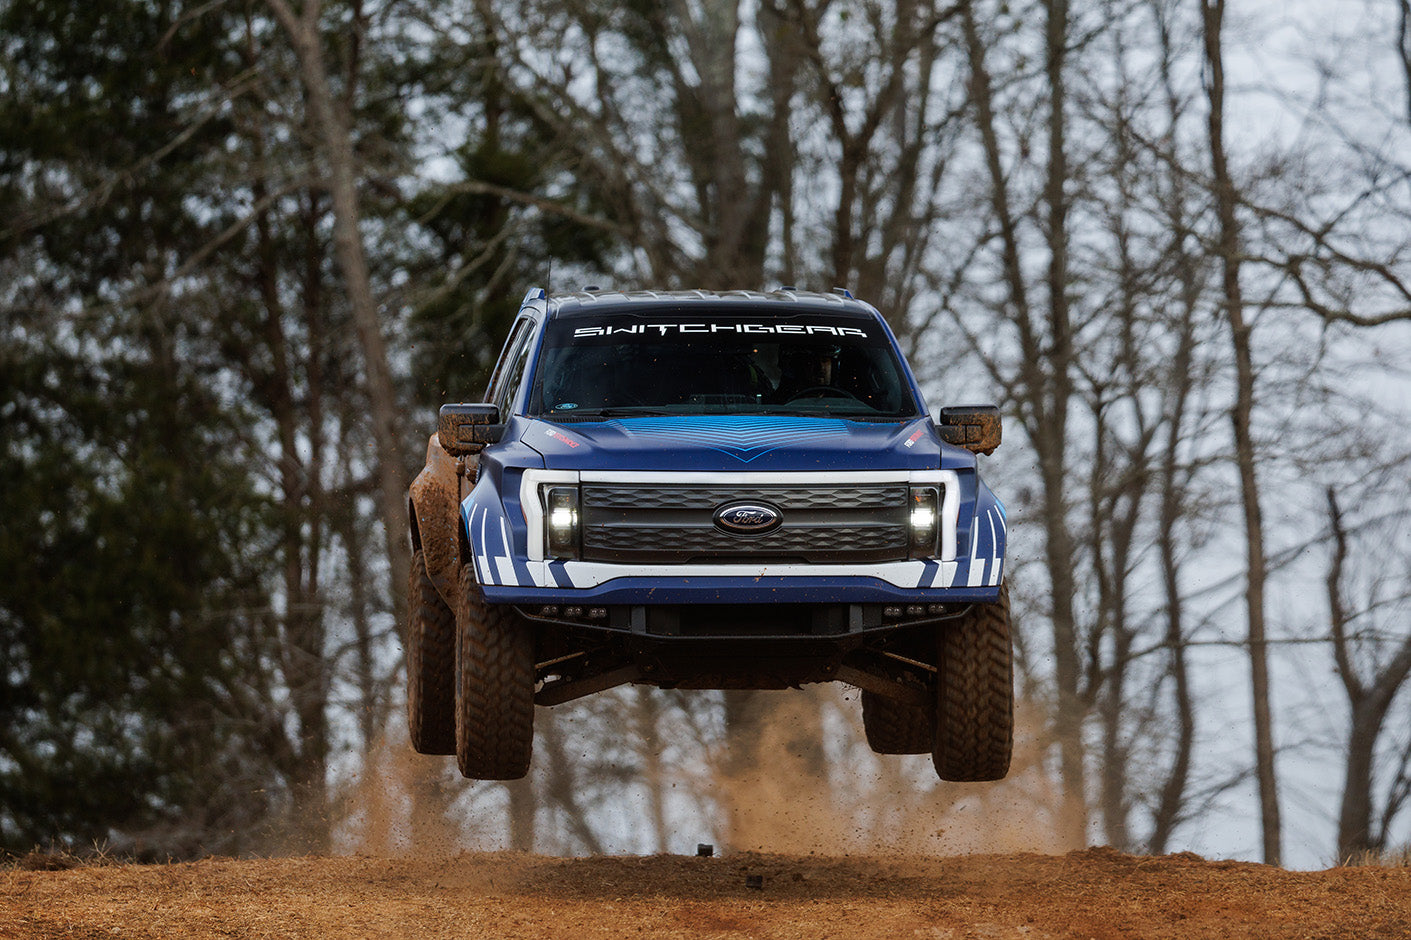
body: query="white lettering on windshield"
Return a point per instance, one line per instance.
(639, 329)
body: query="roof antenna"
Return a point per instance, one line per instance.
(549, 283)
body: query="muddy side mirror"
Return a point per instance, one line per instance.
(467, 428)
(974, 427)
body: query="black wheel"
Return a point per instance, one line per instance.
(431, 664)
(975, 695)
(494, 687)
(894, 727)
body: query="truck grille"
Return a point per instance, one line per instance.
(657, 523)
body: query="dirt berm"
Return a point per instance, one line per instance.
(1097, 893)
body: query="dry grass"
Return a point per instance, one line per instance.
(61, 858)
(1399, 857)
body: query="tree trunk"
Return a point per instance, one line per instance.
(1171, 802)
(562, 786)
(1172, 799)
(369, 710)
(645, 715)
(1368, 703)
(522, 811)
(1043, 392)
(1245, 456)
(1403, 48)
(745, 712)
(302, 633)
(1052, 441)
(333, 131)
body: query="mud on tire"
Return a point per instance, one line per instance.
(975, 695)
(431, 664)
(894, 727)
(494, 690)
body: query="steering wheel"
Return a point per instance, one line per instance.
(823, 391)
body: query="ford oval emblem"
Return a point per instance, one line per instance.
(748, 518)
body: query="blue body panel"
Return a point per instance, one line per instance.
(743, 442)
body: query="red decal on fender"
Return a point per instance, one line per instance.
(560, 438)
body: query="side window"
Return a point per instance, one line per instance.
(514, 375)
(495, 390)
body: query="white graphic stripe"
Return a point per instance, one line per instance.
(483, 562)
(503, 562)
(977, 567)
(994, 548)
(945, 575)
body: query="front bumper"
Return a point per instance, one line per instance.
(921, 582)
(507, 547)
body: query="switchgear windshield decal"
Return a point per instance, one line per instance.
(662, 329)
(688, 362)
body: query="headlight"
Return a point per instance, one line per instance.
(561, 522)
(924, 516)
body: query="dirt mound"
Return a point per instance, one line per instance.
(1095, 893)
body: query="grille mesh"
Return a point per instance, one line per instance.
(608, 496)
(675, 524)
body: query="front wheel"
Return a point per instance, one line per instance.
(431, 665)
(975, 695)
(494, 687)
(895, 727)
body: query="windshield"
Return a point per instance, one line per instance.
(684, 363)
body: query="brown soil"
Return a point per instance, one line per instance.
(1097, 893)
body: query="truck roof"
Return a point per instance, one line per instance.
(783, 301)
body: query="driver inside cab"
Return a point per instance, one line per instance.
(807, 371)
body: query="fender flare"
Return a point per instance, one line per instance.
(433, 506)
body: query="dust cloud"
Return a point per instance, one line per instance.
(855, 802)
(403, 803)
(788, 796)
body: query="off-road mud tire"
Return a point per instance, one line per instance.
(895, 727)
(975, 695)
(494, 702)
(431, 664)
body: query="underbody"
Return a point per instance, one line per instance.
(888, 650)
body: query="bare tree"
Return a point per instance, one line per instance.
(1371, 687)
(331, 123)
(1226, 200)
(1403, 47)
(892, 137)
(646, 727)
(1042, 384)
(1174, 473)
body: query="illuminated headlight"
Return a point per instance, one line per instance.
(561, 522)
(925, 518)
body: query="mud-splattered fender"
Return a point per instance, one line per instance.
(434, 505)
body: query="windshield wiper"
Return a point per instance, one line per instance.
(624, 411)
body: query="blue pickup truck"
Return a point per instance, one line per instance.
(707, 490)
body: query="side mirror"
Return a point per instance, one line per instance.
(465, 429)
(974, 427)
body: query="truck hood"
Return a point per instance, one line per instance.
(740, 443)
